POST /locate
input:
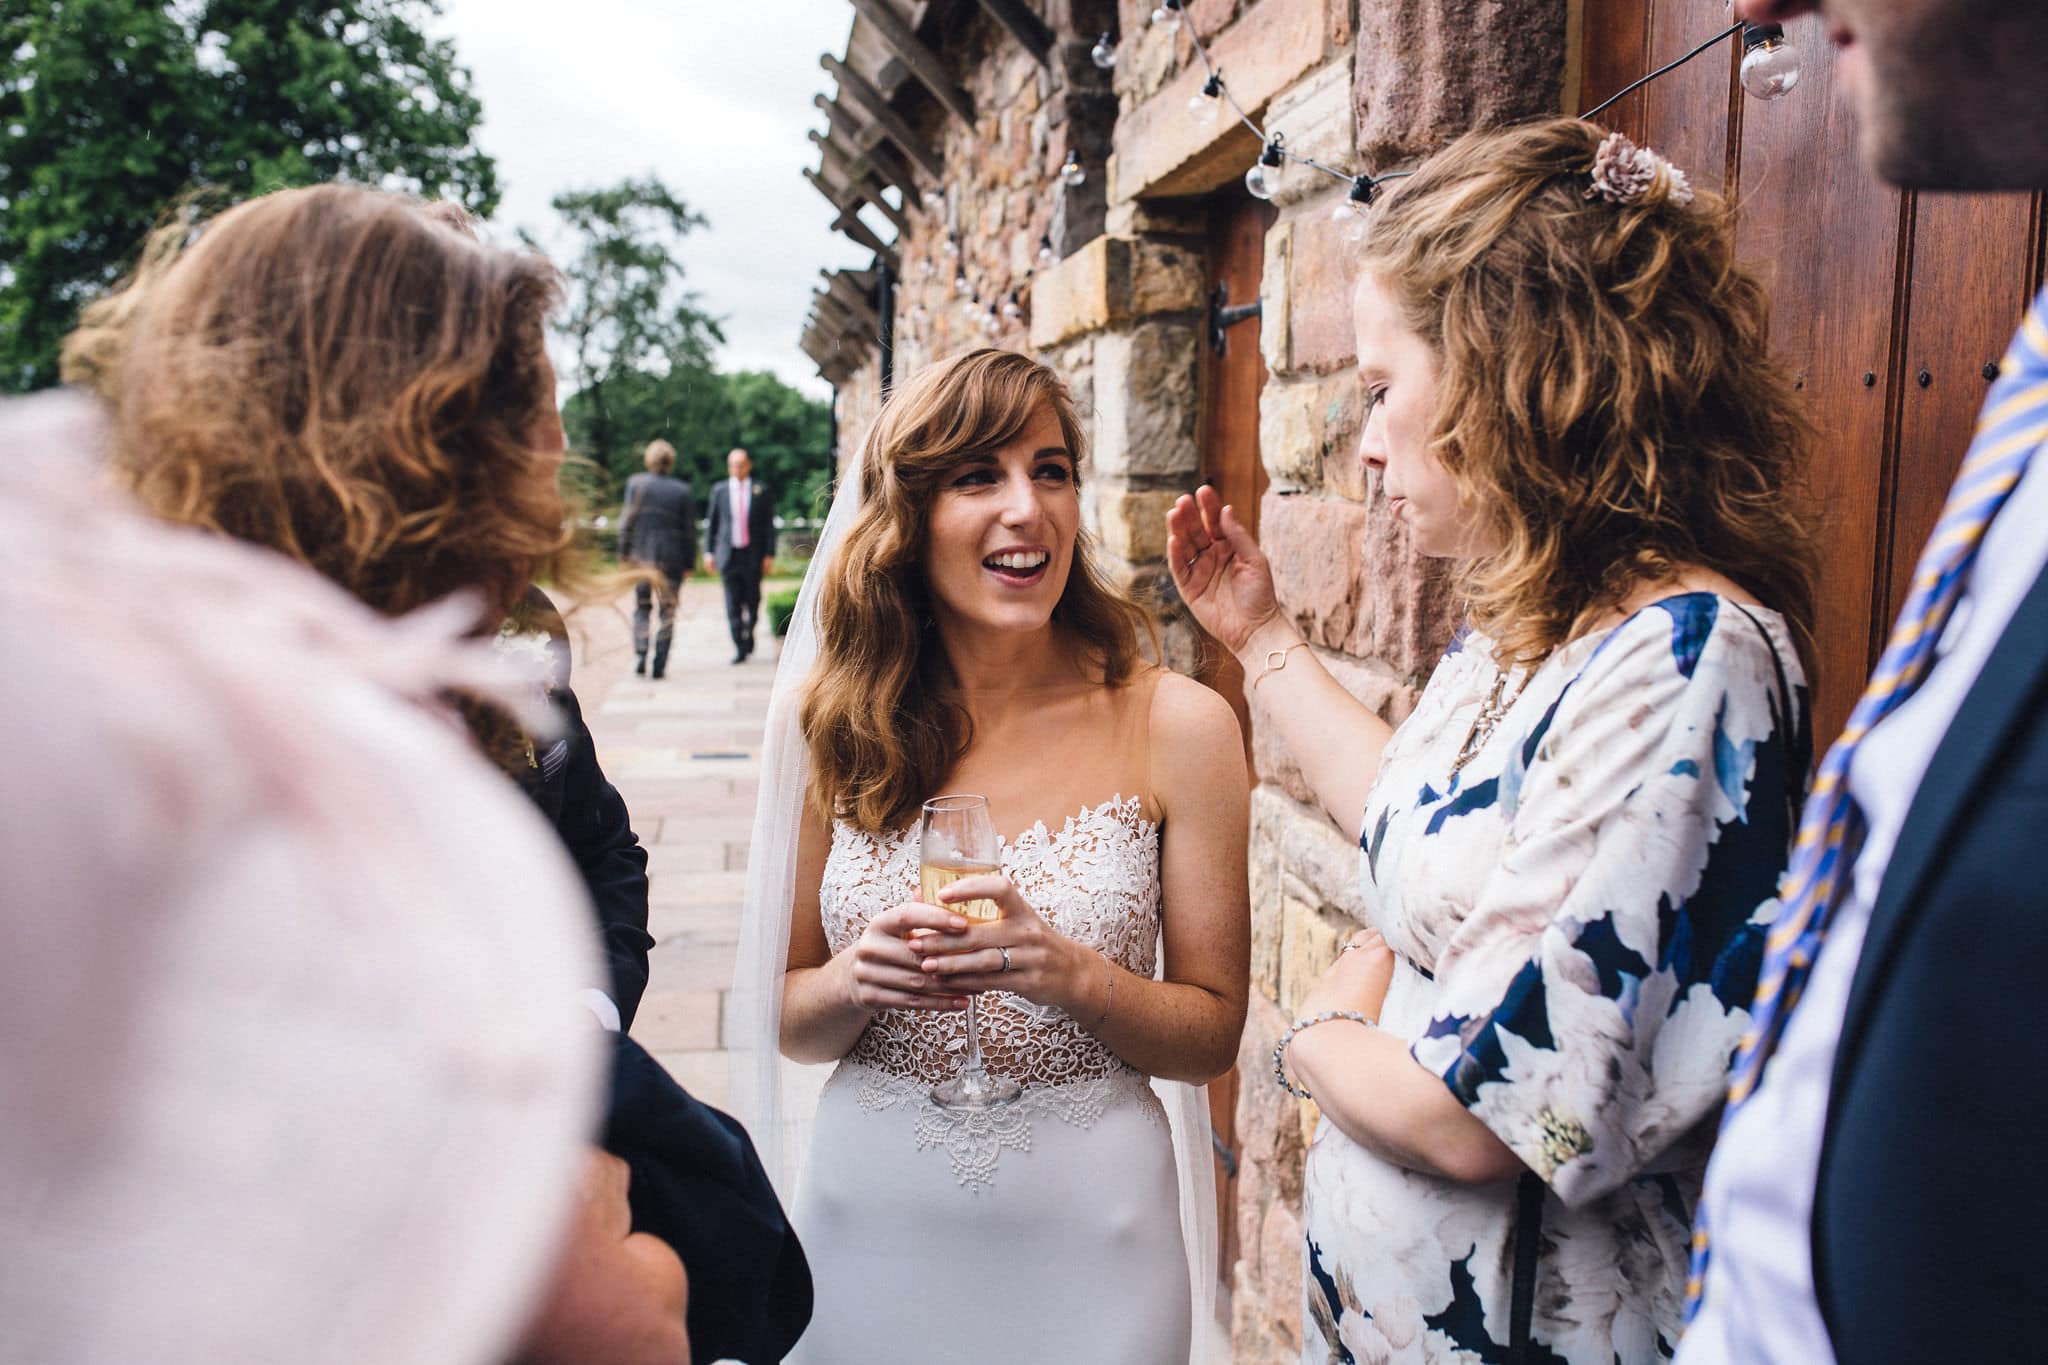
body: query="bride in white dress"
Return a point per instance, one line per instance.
(965, 644)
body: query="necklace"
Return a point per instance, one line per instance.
(1497, 704)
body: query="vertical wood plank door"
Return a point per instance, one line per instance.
(1885, 306)
(1228, 432)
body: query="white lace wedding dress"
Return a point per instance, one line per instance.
(1045, 1230)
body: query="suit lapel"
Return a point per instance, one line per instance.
(1975, 738)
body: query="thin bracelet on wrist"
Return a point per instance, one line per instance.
(1276, 660)
(1108, 990)
(1280, 1048)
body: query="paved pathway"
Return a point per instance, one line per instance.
(685, 753)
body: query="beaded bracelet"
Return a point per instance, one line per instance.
(1280, 1048)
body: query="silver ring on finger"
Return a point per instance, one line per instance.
(1006, 958)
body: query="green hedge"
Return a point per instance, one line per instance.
(781, 606)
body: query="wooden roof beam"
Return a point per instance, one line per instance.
(872, 142)
(921, 61)
(876, 158)
(852, 226)
(871, 100)
(844, 291)
(857, 178)
(1024, 25)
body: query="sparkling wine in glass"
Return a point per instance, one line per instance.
(958, 839)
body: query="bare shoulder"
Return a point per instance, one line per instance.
(1193, 730)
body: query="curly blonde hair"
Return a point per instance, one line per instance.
(350, 377)
(1606, 395)
(878, 712)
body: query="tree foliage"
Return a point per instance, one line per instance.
(111, 111)
(639, 350)
(704, 414)
(628, 315)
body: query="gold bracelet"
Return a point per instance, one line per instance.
(1276, 659)
(1108, 990)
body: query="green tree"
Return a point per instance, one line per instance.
(113, 110)
(704, 414)
(631, 330)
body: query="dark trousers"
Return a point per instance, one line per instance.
(657, 601)
(742, 575)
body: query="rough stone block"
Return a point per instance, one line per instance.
(1318, 567)
(1112, 280)
(1276, 301)
(1269, 1139)
(1132, 522)
(1163, 152)
(1147, 401)
(1316, 115)
(1308, 945)
(1308, 435)
(1265, 900)
(1280, 1254)
(1430, 69)
(1415, 603)
(1322, 272)
(1310, 849)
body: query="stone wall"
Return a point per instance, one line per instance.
(1121, 313)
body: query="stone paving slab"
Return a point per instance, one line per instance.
(684, 751)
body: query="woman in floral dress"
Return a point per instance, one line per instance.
(1569, 848)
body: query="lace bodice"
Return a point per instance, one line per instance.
(1096, 881)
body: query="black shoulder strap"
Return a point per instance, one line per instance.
(1528, 1233)
(1790, 723)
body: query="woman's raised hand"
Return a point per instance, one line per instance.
(1220, 571)
(1044, 966)
(887, 971)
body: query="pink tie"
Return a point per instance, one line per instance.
(739, 514)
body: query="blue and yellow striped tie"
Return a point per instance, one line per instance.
(2013, 425)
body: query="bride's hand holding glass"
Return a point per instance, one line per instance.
(884, 970)
(1019, 953)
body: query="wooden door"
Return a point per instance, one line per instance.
(1887, 307)
(1233, 373)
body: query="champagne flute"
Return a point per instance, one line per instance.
(958, 839)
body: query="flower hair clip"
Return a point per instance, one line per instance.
(1624, 173)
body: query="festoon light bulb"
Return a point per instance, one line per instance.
(1263, 179)
(1013, 308)
(1770, 65)
(1167, 12)
(1072, 172)
(934, 197)
(1350, 214)
(1207, 102)
(990, 322)
(1046, 255)
(1103, 54)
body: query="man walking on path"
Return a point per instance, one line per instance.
(740, 543)
(657, 529)
(1875, 1194)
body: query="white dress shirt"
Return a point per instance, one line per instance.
(1760, 1305)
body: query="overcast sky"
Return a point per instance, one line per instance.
(713, 96)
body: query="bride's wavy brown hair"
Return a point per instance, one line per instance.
(350, 377)
(1607, 398)
(879, 712)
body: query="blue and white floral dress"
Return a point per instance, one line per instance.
(1578, 919)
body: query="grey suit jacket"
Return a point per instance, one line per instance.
(658, 524)
(718, 524)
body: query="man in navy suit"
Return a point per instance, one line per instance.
(1877, 1197)
(739, 542)
(657, 529)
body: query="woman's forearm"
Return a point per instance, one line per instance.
(1170, 1029)
(1376, 1094)
(820, 1019)
(1332, 737)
